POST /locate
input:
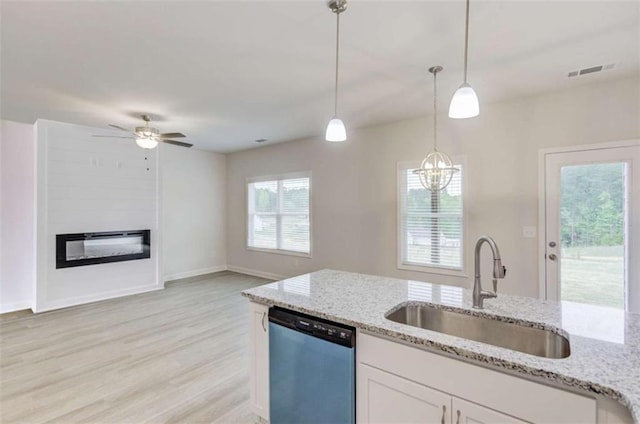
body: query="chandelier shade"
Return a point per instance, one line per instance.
(436, 171)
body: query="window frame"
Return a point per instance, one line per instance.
(278, 178)
(401, 237)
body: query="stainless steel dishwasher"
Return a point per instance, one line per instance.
(311, 369)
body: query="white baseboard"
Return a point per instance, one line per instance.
(5, 308)
(48, 306)
(194, 273)
(81, 300)
(256, 273)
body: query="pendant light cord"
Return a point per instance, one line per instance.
(435, 116)
(335, 105)
(466, 42)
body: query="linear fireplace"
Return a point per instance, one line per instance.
(97, 248)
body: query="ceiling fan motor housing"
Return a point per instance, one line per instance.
(147, 132)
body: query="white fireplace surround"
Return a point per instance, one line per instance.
(88, 184)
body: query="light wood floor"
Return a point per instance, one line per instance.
(177, 355)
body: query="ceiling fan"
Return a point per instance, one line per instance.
(148, 137)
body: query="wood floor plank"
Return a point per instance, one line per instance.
(176, 355)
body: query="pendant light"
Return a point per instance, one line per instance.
(335, 130)
(436, 169)
(464, 103)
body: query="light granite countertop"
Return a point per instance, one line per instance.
(605, 342)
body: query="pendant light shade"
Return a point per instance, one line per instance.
(146, 142)
(436, 169)
(464, 103)
(336, 131)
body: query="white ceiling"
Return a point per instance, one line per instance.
(227, 73)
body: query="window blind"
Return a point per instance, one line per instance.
(431, 223)
(279, 215)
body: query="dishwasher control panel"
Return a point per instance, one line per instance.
(318, 327)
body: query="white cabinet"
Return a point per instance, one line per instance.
(387, 398)
(412, 377)
(259, 359)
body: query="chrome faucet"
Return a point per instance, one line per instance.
(499, 271)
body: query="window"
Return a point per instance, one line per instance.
(430, 223)
(278, 214)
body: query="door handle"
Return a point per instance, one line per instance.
(553, 257)
(264, 328)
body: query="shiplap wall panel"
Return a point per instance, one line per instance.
(88, 184)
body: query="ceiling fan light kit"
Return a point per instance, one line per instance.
(147, 131)
(336, 131)
(464, 103)
(146, 143)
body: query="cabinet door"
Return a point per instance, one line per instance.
(386, 398)
(469, 413)
(259, 358)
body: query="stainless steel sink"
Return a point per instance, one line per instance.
(531, 340)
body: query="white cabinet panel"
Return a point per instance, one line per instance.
(259, 358)
(514, 396)
(387, 398)
(464, 412)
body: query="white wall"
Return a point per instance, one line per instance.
(17, 209)
(354, 183)
(193, 210)
(88, 184)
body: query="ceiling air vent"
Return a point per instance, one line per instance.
(261, 140)
(590, 70)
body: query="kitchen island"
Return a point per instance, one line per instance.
(605, 343)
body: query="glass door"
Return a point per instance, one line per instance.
(591, 224)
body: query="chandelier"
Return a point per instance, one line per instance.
(436, 169)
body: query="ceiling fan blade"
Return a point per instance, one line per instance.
(111, 136)
(120, 128)
(177, 143)
(172, 135)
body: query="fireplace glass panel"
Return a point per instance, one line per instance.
(101, 248)
(93, 248)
